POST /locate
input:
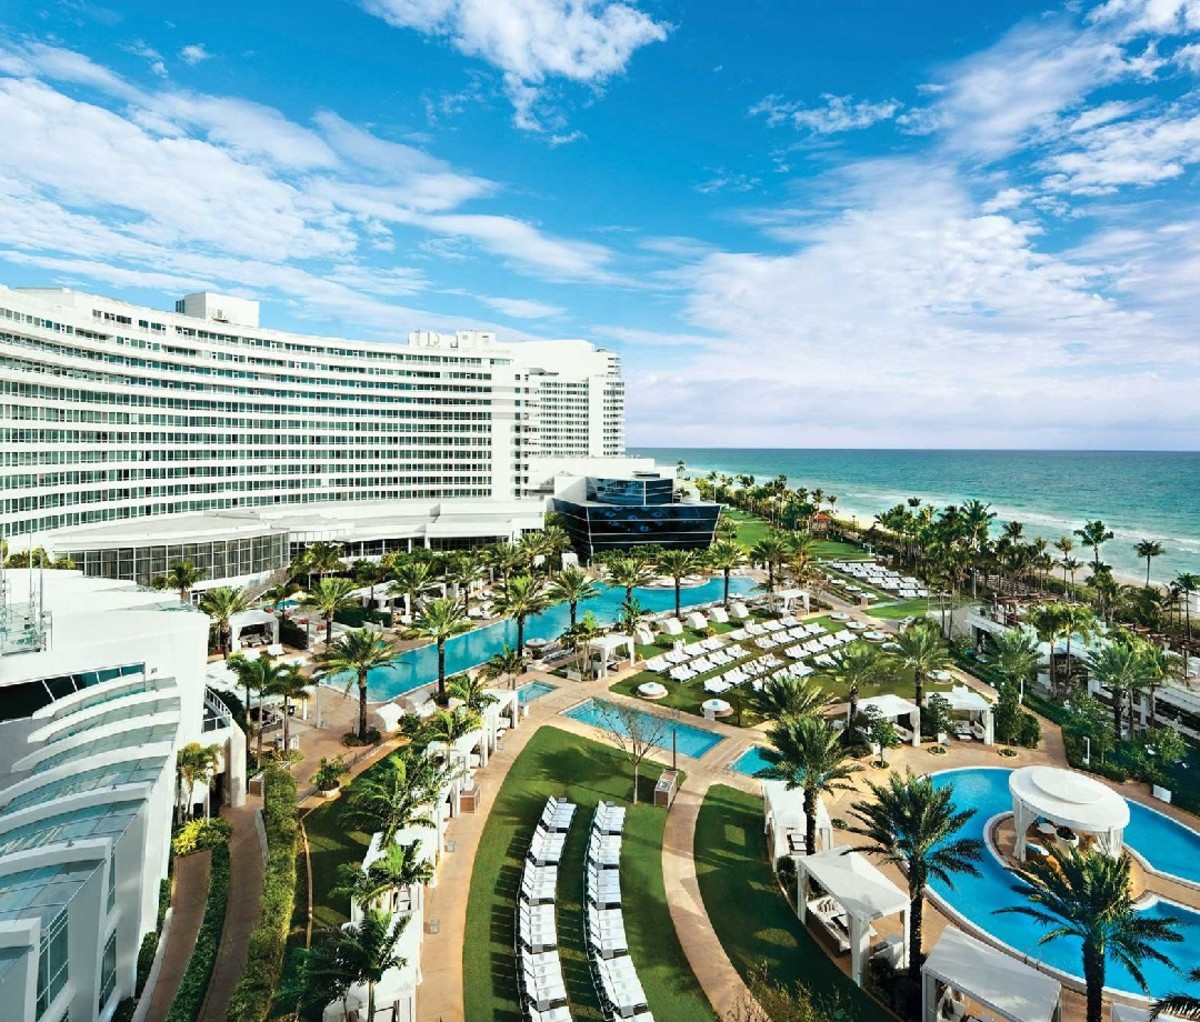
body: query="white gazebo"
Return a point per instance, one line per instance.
(388, 717)
(260, 619)
(786, 598)
(964, 699)
(615, 647)
(894, 708)
(862, 893)
(1069, 799)
(785, 822)
(961, 967)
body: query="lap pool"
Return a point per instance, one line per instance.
(750, 762)
(689, 741)
(1160, 840)
(418, 667)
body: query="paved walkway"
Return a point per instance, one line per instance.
(188, 897)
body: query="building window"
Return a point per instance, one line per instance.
(112, 882)
(52, 962)
(108, 970)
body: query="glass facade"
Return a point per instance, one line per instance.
(221, 558)
(108, 971)
(52, 962)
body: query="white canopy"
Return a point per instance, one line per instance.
(388, 716)
(1126, 1013)
(786, 597)
(1069, 799)
(964, 699)
(613, 643)
(863, 892)
(783, 814)
(893, 706)
(997, 981)
(252, 618)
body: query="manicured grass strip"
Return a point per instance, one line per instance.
(189, 996)
(753, 920)
(566, 766)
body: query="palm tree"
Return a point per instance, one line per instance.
(629, 616)
(1086, 896)
(221, 604)
(629, 573)
(519, 598)
(370, 573)
(769, 551)
(914, 825)
(448, 726)
(327, 597)
(396, 795)
(290, 684)
(276, 595)
(472, 690)
(1119, 667)
(1187, 583)
(921, 651)
(357, 954)
(861, 666)
(1148, 549)
(260, 674)
(571, 586)
(1094, 534)
(355, 655)
(401, 866)
(677, 564)
(1016, 657)
(181, 576)
(322, 558)
(1185, 1006)
(723, 556)
(505, 664)
(806, 752)
(194, 763)
(412, 579)
(439, 620)
(783, 696)
(1071, 565)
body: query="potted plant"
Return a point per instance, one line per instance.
(328, 777)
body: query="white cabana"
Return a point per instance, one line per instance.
(738, 611)
(863, 894)
(784, 820)
(259, 620)
(505, 712)
(964, 699)
(893, 707)
(696, 621)
(786, 598)
(718, 615)
(388, 717)
(1069, 799)
(612, 647)
(1003, 986)
(671, 626)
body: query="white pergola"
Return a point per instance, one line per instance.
(611, 644)
(238, 623)
(505, 712)
(1068, 799)
(783, 814)
(388, 717)
(863, 892)
(1007, 988)
(786, 597)
(893, 707)
(964, 699)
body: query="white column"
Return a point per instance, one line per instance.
(859, 931)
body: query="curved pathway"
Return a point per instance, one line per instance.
(189, 894)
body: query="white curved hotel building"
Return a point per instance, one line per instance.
(131, 437)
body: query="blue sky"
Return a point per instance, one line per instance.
(871, 223)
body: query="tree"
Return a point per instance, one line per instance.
(505, 664)
(808, 753)
(520, 598)
(912, 824)
(936, 719)
(472, 690)
(1186, 583)
(629, 573)
(182, 577)
(290, 684)
(633, 732)
(1184, 1006)
(629, 616)
(448, 726)
(440, 619)
(1006, 715)
(355, 655)
(769, 551)
(221, 604)
(1016, 657)
(323, 558)
(1148, 549)
(784, 696)
(194, 764)
(357, 954)
(677, 565)
(921, 651)
(412, 579)
(723, 556)
(397, 794)
(1118, 667)
(326, 598)
(860, 666)
(571, 586)
(401, 866)
(1086, 896)
(261, 675)
(881, 732)
(1094, 534)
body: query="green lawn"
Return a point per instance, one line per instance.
(564, 765)
(754, 922)
(752, 529)
(911, 608)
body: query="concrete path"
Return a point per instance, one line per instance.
(241, 915)
(188, 897)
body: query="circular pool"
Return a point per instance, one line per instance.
(1161, 842)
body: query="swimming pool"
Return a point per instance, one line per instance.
(534, 690)
(418, 667)
(749, 762)
(976, 898)
(689, 741)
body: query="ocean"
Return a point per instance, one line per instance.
(1138, 494)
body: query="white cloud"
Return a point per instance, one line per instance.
(532, 41)
(522, 308)
(1006, 198)
(726, 181)
(152, 56)
(194, 54)
(837, 114)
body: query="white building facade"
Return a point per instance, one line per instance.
(207, 429)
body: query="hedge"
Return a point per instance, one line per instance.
(291, 634)
(189, 997)
(255, 992)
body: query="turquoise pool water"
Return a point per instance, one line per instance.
(419, 666)
(689, 741)
(534, 690)
(749, 762)
(1158, 838)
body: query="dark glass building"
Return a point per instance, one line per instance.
(621, 513)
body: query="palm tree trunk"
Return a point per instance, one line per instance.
(810, 821)
(260, 727)
(521, 640)
(853, 705)
(1093, 974)
(441, 646)
(918, 687)
(1117, 697)
(677, 600)
(915, 936)
(362, 705)
(573, 607)
(286, 707)
(726, 602)
(328, 628)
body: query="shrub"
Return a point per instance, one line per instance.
(1029, 731)
(372, 737)
(197, 835)
(255, 992)
(189, 997)
(785, 869)
(329, 774)
(145, 960)
(291, 634)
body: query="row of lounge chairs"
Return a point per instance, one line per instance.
(613, 972)
(539, 969)
(879, 577)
